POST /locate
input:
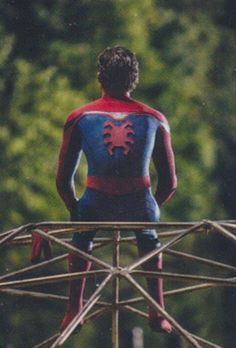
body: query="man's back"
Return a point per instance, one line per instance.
(118, 138)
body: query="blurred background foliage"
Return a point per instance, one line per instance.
(48, 56)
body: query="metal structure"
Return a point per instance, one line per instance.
(169, 233)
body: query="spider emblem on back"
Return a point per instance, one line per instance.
(118, 136)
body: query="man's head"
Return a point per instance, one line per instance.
(118, 70)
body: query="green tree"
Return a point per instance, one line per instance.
(48, 67)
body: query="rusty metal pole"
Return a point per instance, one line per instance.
(115, 290)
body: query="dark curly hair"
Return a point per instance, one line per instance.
(118, 70)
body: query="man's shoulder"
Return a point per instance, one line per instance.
(142, 107)
(113, 105)
(76, 114)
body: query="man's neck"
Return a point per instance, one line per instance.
(121, 96)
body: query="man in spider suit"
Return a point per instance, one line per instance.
(119, 136)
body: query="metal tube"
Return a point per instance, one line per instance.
(145, 315)
(52, 339)
(115, 291)
(200, 259)
(223, 231)
(13, 234)
(34, 267)
(187, 277)
(184, 333)
(69, 247)
(34, 294)
(113, 272)
(156, 252)
(206, 343)
(98, 225)
(50, 279)
(189, 289)
(48, 341)
(75, 322)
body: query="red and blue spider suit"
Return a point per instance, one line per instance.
(118, 138)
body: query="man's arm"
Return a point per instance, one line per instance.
(67, 164)
(163, 158)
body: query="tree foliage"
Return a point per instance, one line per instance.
(48, 56)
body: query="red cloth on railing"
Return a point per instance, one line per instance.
(40, 245)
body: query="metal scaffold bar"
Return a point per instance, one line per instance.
(187, 277)
(159, 250)
(200, 260)
(79, 317)
(50, 279)
(111, 273)
(34, 267)
(157, 307)
(115, 290)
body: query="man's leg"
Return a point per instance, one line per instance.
(147, 241)
(84, 242)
